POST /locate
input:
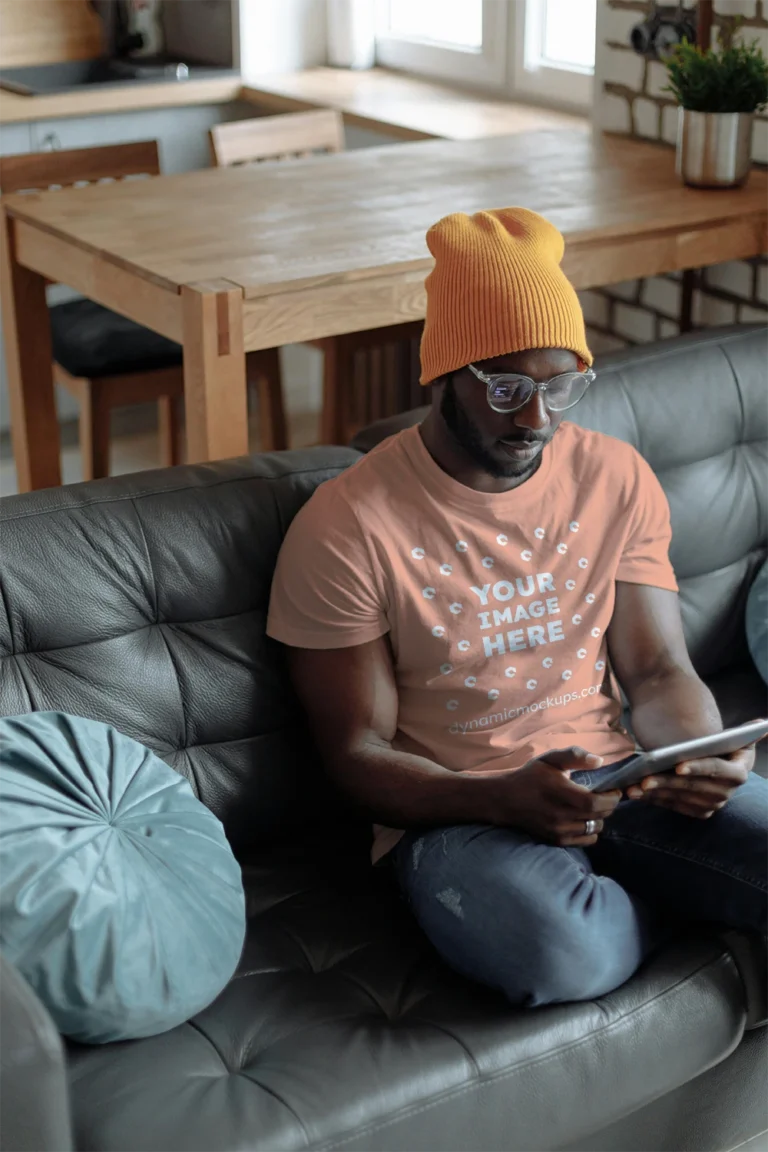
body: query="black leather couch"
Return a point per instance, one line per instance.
(141, 601)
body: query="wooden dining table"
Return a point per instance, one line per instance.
(226, 261)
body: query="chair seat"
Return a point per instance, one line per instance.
(342, 1029)
(91, 341)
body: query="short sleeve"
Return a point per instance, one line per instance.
(325, 592)
(645, 556)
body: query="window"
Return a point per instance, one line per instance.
(461, 40)
(461, 22)
(554, 49)
(537, 49)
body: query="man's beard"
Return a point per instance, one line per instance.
(468, 436)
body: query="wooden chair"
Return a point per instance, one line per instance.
(270, 138)
(106, 360)
(277, 137)
(102, 358)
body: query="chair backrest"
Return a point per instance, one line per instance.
(277, 137)
(64, 168)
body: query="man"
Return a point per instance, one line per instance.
(457, 607)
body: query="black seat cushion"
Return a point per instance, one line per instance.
(342, 1029)
(92, 341)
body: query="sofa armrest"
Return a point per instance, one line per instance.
(33, 1078)
(750, 953)
(373, 434)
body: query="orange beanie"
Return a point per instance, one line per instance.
(497, 287)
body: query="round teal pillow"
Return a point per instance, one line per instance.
(757, 621)
(120, 899)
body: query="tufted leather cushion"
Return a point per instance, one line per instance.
(344, 1031)
(154, 622)
(89, 340)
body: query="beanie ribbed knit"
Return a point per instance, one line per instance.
(497, 287)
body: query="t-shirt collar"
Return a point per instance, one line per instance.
(459, 495)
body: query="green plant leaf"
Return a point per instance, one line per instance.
(735, 79)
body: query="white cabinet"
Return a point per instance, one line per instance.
(15, 138)
(182, 133)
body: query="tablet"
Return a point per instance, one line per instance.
(665, 759)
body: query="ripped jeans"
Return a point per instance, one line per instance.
(546, 924)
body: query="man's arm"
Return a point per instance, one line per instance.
(350, 696)
(668, 701)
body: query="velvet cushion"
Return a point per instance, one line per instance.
(121, 901)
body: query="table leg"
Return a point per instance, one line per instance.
(29, 362)
(686, 299)
(214, 371)
(338, 374)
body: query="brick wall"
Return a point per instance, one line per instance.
(629, 99)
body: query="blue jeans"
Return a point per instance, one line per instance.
(546, 924)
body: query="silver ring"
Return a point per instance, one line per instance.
(590, 827)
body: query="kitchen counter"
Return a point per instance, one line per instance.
(132, 96)
(401, 106)
(406, 107)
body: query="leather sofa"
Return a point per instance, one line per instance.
(141, 601)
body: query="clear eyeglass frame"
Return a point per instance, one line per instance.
(514, 380)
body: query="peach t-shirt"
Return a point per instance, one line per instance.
(496, 605)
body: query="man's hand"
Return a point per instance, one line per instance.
(540, 799)
(697, 788)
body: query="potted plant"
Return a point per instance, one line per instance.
(718, 93)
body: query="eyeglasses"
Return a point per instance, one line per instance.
(509, 392)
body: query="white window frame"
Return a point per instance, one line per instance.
(481, 68)
(534, 78)
(513, 31)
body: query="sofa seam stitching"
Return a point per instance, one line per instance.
(149, 558)
(457, 1040)
(133, 632)
(7, 609)
(744, 422)
(159, 627)
(276, 1096)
